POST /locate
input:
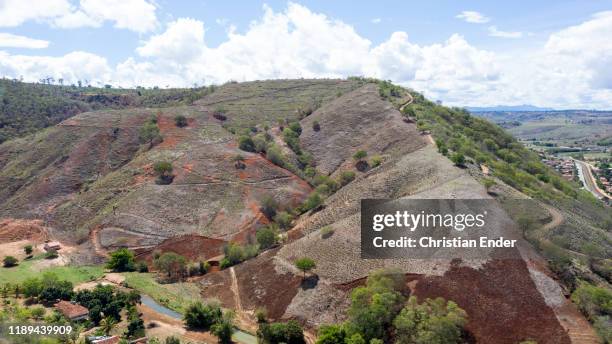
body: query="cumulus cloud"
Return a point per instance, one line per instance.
(134, 15)
(8, 40)
(571, 70)
(473, 17)
(494, 32)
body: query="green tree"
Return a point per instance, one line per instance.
(283, 219)
(266, 237)
(149, 133)
(172, 264)
(246, 143)
(107, 324)
(314, 200)
(121, 260)
(360, 155)
(180, 121)
(275, 333)
(458, 159)
(434, 321)
(9, 261)
(32, 287)
(202, 317)
(37, 313)
(224, 328)
(305, 264)
(163, 169)
(331, 334)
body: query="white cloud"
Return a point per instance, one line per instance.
(16, 12)
(376, 20)
(71, 67)
(573, 68)
(134, 15)
(8, 40)
(182, 41)
(494, 32)
(473, 17)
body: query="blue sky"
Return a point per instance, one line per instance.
(461, 52)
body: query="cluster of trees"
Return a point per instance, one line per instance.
(199, 316)
(235, 253)
(105, 303)
(46, 289)
(278, 332)
(175, 267)
(379, 311)
(596, 304)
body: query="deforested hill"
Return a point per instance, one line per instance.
(298, 156)
(28, 107)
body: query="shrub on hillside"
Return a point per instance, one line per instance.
(283, 219)
(246, 143)
(326, 232)
(269, 206)
(313, 201)
(173, 265)
(289, 333)
(376, 161)
(458, 159)
(266, 237)
(180, 121)
(316, 126)
(274, 154)
(346, 177)
(9, 261)
(163, 169)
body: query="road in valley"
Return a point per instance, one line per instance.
(587, 178)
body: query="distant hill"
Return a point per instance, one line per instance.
(509, 108)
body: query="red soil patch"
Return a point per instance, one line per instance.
(501, 300)
(191, 246)
(21, 229)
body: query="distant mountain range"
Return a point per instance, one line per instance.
(524, 107)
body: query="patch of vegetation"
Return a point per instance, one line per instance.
(172, 265)
(275, 333)
(9, 261)
(121, 260)
(267, 237)
(235, 253)
(163, 169)
(149, 133)
(180, 121)
(596, 304)
(379, 312)
(176, 296)
(305, 265)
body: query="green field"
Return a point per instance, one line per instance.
(28, 268)
(176, 296)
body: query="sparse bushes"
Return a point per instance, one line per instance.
(346, 177)
(313, 201)
(121, 260)
(9, 261)
(163, 169)
(360, 154)
(274, 154)
(180, 121)
(283, 219)
(376, 161)
(326, 232)
(246, 143)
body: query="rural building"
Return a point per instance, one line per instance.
(104, 339)
(52, 245)
(72, 311)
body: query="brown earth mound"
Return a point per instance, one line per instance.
(193, 247)
(501, 300)
(21, 229)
